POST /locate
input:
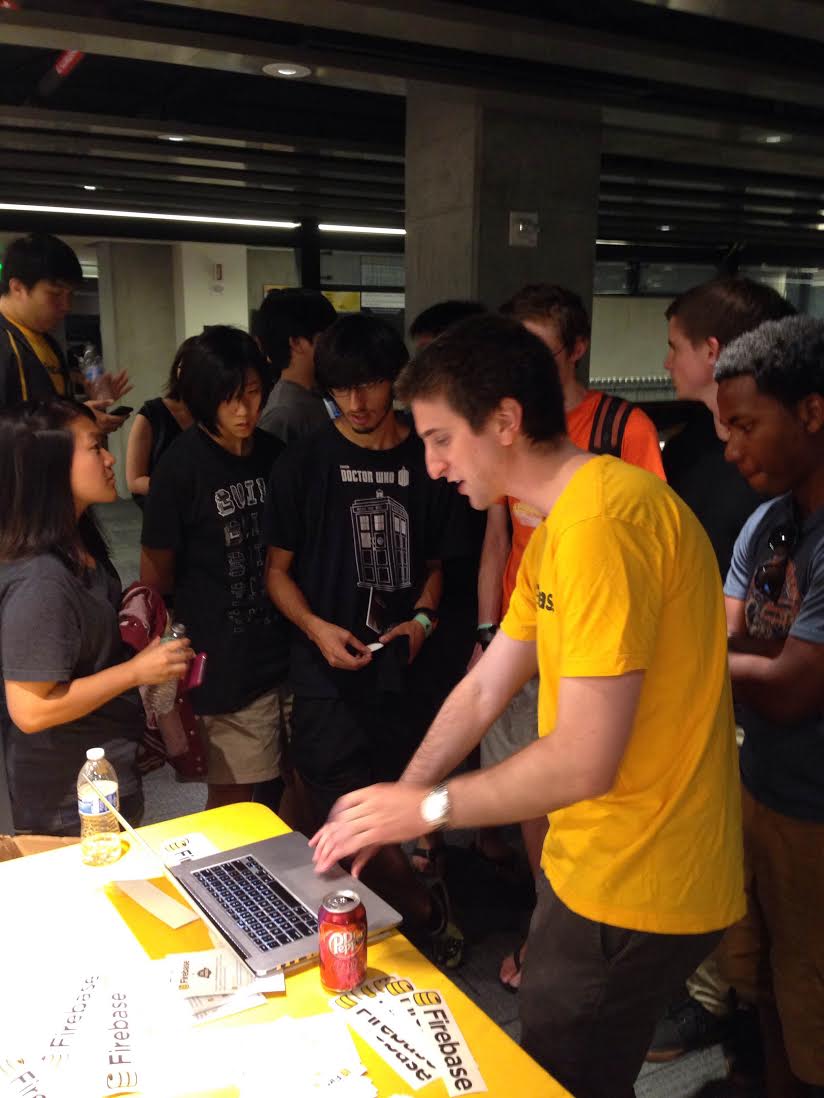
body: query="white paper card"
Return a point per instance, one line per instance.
(186, 847)
(158, 903)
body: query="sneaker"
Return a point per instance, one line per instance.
(685, 1026)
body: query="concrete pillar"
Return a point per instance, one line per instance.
(137, 324)
(211, 287)
(475, 162)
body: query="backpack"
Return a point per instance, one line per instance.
(609, 425)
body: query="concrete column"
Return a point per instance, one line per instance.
(474, 159)
(211, 287)
(137, 325)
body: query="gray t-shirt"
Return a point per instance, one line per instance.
(782, 765)
(292, 411)
(54, 627)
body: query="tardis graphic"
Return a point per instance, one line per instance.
(380, 529)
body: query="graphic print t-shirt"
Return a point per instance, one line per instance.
(207, 505)
(362, 524)
(781, 765)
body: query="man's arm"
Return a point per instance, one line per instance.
(478, 699)
(429, 599)
(495, 551)
(578, 761)
(786, 688)
(333, 641)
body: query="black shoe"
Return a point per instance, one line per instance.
(684, 1027)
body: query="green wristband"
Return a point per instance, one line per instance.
(426, 622)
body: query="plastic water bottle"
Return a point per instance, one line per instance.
(94, 375)
(99, 828)
(163, 695)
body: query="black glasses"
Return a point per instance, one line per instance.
(769, 577)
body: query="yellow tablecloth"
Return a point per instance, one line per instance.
(54, 894)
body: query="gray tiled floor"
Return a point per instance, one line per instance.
(493, 923)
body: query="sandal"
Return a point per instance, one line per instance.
(508, 985)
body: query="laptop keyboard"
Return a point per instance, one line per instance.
(257, 902)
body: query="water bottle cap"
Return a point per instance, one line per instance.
(95, 754)
(178, 629)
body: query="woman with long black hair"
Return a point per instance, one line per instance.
(67, 685)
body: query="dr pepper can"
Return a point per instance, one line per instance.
(342, 940)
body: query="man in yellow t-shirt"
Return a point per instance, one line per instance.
(618, 607)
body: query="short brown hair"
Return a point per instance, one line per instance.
(547, 301)
(725, 308)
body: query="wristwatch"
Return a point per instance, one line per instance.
(484, 634)
(435, 808)
(427, 618)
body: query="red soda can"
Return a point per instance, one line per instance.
(342, 940)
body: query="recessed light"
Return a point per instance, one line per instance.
(370, 230)
(289, 69)
(665, 228)
(89, 187)
(773, 139)
(150, 215)
(171, 137)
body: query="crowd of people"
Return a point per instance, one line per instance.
(393, 563)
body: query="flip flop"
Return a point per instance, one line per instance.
(505, 984)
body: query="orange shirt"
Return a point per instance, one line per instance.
(639, 447)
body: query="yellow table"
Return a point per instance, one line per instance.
(79, 905)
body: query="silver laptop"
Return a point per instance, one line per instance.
(264, 899)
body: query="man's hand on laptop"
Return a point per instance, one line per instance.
(362, 821)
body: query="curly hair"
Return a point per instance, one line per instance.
(785, 358)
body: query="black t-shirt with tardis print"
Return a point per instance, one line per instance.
(362, 524)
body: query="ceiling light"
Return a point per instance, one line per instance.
(773, 139)
(370, 230)
(665, 228)
(89, 187)
(141, 215)
(171, 137)
(621, 243)
(289, 69)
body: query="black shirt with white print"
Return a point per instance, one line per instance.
(206, 505)
(362, 524)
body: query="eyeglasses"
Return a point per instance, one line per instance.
(769, 577)
(366, 387)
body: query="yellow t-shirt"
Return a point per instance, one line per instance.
(45, 352)
(621, 577)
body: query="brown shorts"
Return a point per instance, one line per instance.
(776, 952)
(244, 747)
(591, 994)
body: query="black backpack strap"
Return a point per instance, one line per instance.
(609, 425)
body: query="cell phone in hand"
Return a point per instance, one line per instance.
(120, 410)
(196, 673)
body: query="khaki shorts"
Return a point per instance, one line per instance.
(516, 727)
(776, 953)
(244, 747)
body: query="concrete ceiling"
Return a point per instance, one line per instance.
(712, 110)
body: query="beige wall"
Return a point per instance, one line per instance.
(269, 267)
(629, 337)
(137, 324)
(199, 297)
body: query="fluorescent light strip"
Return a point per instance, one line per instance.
(370, 230)
(137, 215)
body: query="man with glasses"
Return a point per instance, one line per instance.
(357, 534)
(771, 401)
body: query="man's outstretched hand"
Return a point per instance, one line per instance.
(362, 821)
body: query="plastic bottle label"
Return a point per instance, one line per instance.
(94, 806)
